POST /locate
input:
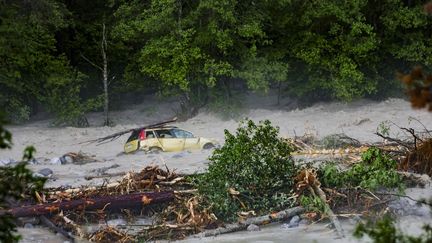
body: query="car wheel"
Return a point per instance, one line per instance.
(208, 146)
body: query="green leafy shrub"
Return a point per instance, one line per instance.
(15, 183)
(312, 203)
(375, 170)
(225, 107)
(253, 170)
(17, 111)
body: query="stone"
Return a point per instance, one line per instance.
(304, 222)
(253, 227)
(28, 226)
(294, 222)
(56, 161)
(45, 172)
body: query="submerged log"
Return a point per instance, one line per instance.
(261, 220)
(106, 203)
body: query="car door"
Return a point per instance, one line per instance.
(190, 141)
(169, 140)
(132, 143)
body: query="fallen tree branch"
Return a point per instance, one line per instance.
(47, 222)
(106, 202)
(105, 175)
(328, 210)
(256, 220)
(398, 141)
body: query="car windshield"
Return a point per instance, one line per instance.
(182, 133)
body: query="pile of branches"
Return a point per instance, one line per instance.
(415, 153)
(148, 191)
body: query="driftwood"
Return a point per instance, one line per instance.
(279, 216)
(106, 202)
(114, 136)
(307, 179)
(328, 210)
(104, 175)
(47, 222)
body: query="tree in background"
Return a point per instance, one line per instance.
(202, 51)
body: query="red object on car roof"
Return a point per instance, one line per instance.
(142, 135)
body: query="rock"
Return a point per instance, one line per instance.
(304, 222)
(45, 172)
(253, 227)
(56, 161)
(294, 222)
(28, 226)
(295, 219)
(66, 159)
(7, 162)
(33, 161)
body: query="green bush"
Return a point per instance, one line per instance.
(256, 163)
(225, 107)
(15, 183)
(374, 171)
(17, 111)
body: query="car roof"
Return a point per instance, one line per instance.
(160, 128)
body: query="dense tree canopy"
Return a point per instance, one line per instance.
(319, 49)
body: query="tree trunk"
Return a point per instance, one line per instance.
(105, 202)
(105, 76)
(261, 220)
(279, 92)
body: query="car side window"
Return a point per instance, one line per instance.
(133, 136)
(165, 134)
(182, 133)
(150, 134)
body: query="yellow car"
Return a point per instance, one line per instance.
(167, 139)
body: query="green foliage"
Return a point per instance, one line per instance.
(224, 106)
(384, 128)
(257, 164)
(18, 112)
(385, 231)
(376, 170)
(312, 203)
(15, 183)
(315, 50)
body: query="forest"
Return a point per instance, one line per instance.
(68, 57)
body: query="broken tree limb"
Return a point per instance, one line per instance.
(105, 175)
(261, 220)
(114, 136)
(47, 222)
(106, 202)
(328, 210)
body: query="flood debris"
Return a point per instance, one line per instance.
(79, 158)
(178, 209)
(96, 203)
(419, 160)
(307, 180)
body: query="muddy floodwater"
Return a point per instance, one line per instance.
(358, 120)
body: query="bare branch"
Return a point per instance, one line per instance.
(92, 63)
